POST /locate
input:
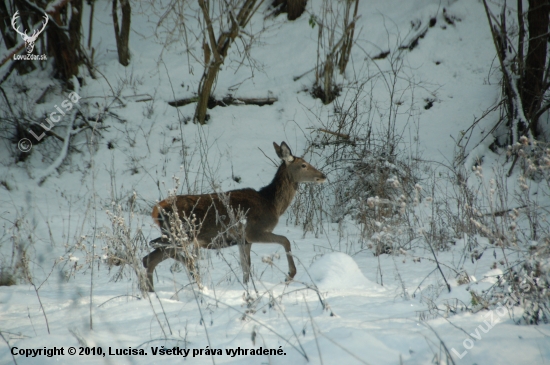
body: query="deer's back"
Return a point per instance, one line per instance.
(210, 209)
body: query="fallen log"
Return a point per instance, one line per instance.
(228, 100)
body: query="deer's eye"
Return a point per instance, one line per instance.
(304, 165)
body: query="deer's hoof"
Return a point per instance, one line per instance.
(148, 288)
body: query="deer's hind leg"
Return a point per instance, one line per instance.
(158, 255)
(244, 251)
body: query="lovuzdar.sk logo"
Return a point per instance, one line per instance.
(29, 39)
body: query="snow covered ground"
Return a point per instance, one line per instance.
(345, 305)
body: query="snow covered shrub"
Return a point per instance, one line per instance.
(505, 211)
(124, 245)
(6, 278)
(533, 157)
(513, 214)
(523, 232)
(526, 285)
(16, 119)
(180, 230)
(372, 175)
(180, 235)
(17, 252)
(532, 281)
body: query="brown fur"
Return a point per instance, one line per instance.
(263, 209)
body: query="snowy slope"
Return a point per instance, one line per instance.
(345, 305)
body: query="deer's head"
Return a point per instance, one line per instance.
(298, 169)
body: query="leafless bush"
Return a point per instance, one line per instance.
(124, 244)
(16, 267)
(526, 284)
(221, 24)
(490, 212)
(520, 39)
(18, 248)
(17, 119)
(521, 229)
(181, 233)
(336, 25)
(372, 173)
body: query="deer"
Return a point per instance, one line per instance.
(29, 39)
(262, 209)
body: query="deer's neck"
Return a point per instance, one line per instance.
(281, 190)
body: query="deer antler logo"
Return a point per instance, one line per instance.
(29, 40)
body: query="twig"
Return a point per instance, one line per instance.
(403, 287)
(164, 312)
(8, 73)
(12, 53)
(119, 296)
(296, 78)
(183, 102)
(291, 327)
(203, 322)
(516, 157)
(380, 270)
(414, 41)
(458, 328)
(157, 317)
(441, 342)
(62, 155)
(418, 287)
(112, 90)
(344, 349)
(269, 158)
(300, 351)
(341, 135)
(92, 168)
(81, 340)
(12, 355)
(314, 288)
(501, 213)
(437, 262)
(41, 306)
(314, 332)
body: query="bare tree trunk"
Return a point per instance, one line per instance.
(521, 42)
(205, 86)
(219, 49)
(333, 53)
(328, 81)
(535, 62)
(75, 24)
(349, 26)
(7, 32)
(122, 34)
(65, 45)
(91, 23)
(296, 8)
(293, 8)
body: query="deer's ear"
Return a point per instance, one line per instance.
(284, 152)
(277, 149)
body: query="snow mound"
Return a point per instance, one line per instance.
(337, 271)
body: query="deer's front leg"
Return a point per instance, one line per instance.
(268, 237)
